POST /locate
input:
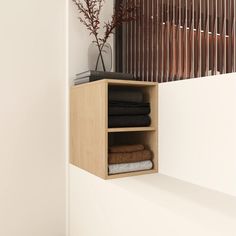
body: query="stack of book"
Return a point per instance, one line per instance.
(91, 75)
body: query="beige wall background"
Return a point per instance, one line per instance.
(32, 118)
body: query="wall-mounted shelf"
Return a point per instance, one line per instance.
(90, 135)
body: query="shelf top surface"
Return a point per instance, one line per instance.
(133, 83)
(130, 82)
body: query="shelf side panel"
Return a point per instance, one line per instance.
(88, 125)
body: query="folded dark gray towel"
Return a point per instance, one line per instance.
(125, 94)
(129, 108)
(129, 121)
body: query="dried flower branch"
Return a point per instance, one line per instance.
(90, 11)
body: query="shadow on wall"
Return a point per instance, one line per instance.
(161, 189)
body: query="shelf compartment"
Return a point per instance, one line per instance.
(148, 139)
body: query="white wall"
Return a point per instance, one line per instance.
(32, 118)
(157, 204)
(147, 205)
(197, 131)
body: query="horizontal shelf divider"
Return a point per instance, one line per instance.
(136, 173)
(131, 129)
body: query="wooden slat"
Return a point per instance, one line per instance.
(185, 41)
(150, 41)
(206, 37)
(215, 57)
(199, 39)
(133, 45)
(228, 37)
(234, 37)
(233, 34)
(129, 58)
(166, 42)
(155, 41)
(137, 48)
(192, 40)
(125, 44)
(223, 36)
(146, 36)
(220, 36)
(142, 32)
(161, 71)
(172, 41)
(179, 45)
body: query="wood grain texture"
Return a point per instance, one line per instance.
(88, 124)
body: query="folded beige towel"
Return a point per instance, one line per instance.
(126, 148)
(129, 157)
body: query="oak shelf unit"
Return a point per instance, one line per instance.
(90, 136)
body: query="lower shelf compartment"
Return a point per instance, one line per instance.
(147, 139)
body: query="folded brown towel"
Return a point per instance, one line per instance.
(129, 157)
(126, 148)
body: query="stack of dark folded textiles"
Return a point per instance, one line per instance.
(129, 158)
(127, 108)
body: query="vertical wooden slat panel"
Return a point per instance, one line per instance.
(180, 39)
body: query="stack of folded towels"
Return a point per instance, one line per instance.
(127, 108)
(129, 158)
